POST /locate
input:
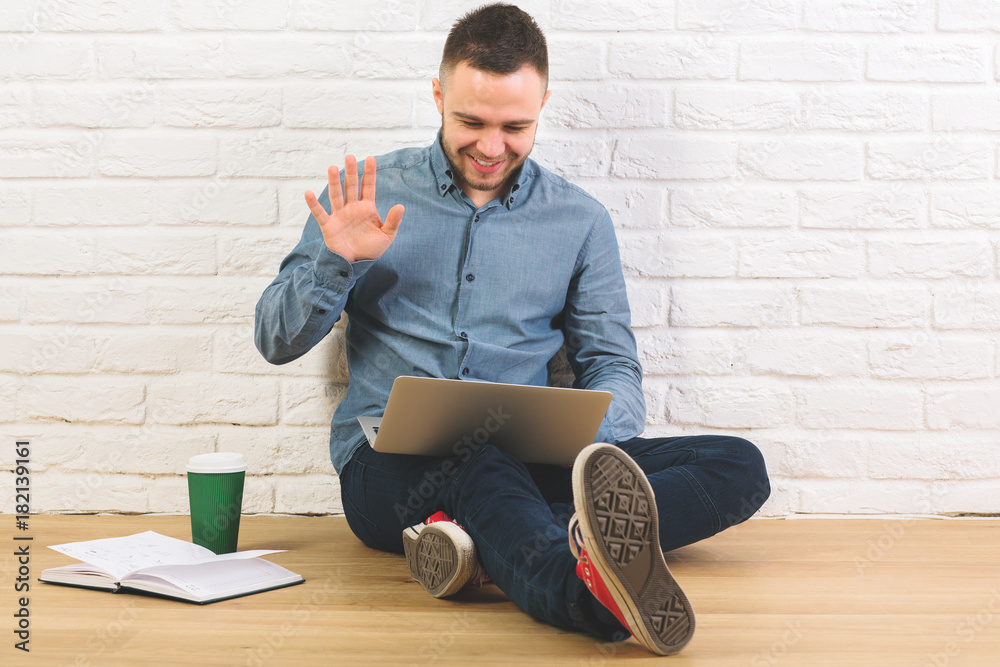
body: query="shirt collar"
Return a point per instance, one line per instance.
(445, 177)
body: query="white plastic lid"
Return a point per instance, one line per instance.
(217, 462)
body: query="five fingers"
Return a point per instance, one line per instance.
(350, 192)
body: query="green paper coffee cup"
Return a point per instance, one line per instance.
(215, 489)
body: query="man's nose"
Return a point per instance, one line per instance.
(491, 143)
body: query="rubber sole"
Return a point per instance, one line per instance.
(441, 557)
(618, 519)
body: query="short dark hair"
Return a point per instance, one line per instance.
(496, 38)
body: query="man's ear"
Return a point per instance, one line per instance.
(545, 99)
(438, 95)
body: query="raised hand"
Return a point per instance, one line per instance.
(353, 228)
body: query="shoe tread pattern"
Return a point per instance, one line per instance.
(621, 508)
(436, 560)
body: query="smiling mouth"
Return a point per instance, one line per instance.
(485, 163)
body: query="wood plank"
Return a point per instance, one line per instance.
(797, 592)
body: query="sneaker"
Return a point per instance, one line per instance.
(441, 556)
(615, 538)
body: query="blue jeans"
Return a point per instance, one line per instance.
(517, 513)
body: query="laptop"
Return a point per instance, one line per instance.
(441, 417)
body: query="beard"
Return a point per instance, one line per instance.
(468, 176)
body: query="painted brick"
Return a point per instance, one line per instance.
(794, 159)
(731, 16)
(71, 155)
(228, 106)
(967, 305)
(932, 457)
(946, 158)
(969, 497)
(203, 301)
(212, 400)
(46, 57)
(575, 59)
(96, 204)
(234, 352)
(650, 307)
(157, 156)
(125, 449)
(82, 399)
(379, 58)
(923, 60)
(16, 206)
(10, 303)
(672, 157)
(968, 16)
(164, 254)
(796, 257)
(731, 404)
(273, 154)
(964, 407)
(867, 497)
(693, 255)
(735, 109)
(9, 390)
(160, 57)
(676, 352)
(864, 110)
(829, 455)
(862, 209)
(394, 15)
(242, 15)
(637, 15)
(975, 112)
(860, 405)
(864, 306)
(99, 15)
(932, 258)
(38, 253)
(112, 299)
(670, 58)
(601, 106)
(574, 156)
(933, 356)
(64, 349)
(266, 57)
(18, 17)
(727, 206)
(255, 255)
(15, 106)
(636, 206)
(792, 60)
(965, 208)
(303, 451)
(357, 106)
(153, 352)
(878, 16)
(66, 492)
(804, 353)
(440, 15)
(711, 304)
(217, 201)
(306, 403)
(308, 494)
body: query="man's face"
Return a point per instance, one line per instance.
(488, 124)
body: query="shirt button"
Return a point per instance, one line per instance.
(444, 187)
(463, 334)
(343, 274)
(470, 277)
(477, 219)
(465, 371)
(321, 311)
(514, 189)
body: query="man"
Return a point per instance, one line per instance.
(471, 261)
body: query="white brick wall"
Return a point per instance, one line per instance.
(806, 193)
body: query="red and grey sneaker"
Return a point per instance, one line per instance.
(615, 538)
(441, 556)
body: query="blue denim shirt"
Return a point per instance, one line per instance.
(488, 293)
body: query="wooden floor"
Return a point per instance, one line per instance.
(770, 592)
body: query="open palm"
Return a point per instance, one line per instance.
(353, 229)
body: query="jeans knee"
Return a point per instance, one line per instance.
(755, 487)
